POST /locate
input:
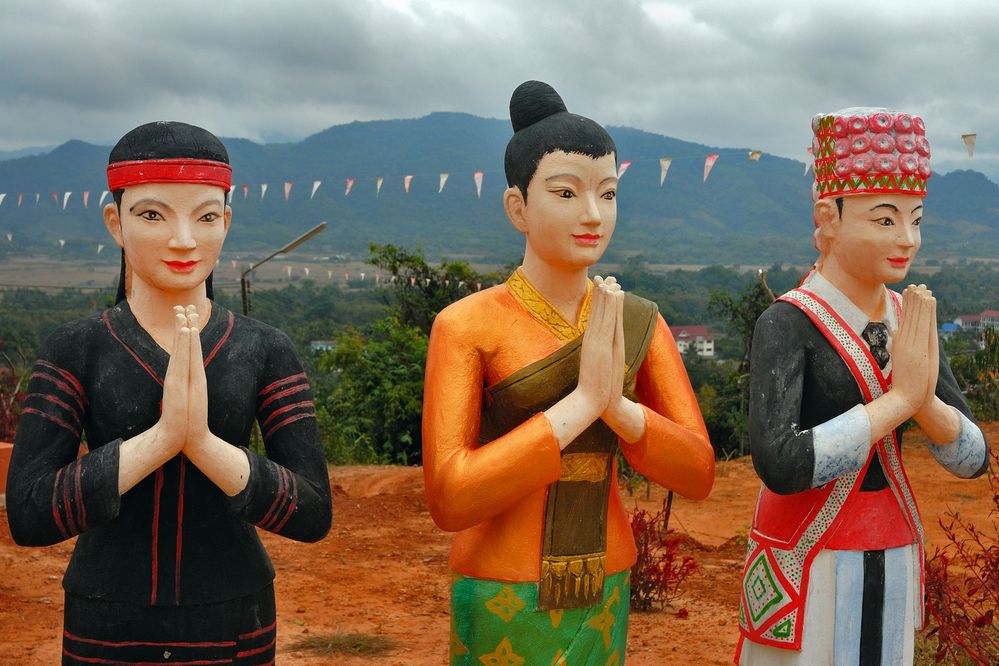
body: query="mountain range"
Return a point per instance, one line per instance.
(746, 211)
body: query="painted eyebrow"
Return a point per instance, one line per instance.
(885, 205)
(147, 201)
(919, 207)
(209, 202)
(569, 176)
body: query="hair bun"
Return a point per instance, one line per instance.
(533, 101)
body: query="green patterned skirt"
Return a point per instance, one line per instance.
(495, 624)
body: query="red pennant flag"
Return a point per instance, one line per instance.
(86, 199)
(246, 190)
(20, 198)
(55, 197)
(477, 177)
(350, 184)
(709, 162)
(622, 168)
(406, 180)
(287, 189)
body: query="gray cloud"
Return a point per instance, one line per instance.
(724, 73)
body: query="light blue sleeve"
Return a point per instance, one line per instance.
(842, 445)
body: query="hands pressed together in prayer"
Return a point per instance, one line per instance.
(183, 423)
(184, 415)
(599, 392)
(915, 366)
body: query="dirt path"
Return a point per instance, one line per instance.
(383, 570)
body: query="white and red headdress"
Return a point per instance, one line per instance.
(865, 150)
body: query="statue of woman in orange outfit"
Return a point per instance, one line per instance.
(530, 388)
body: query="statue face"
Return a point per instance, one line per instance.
(877, 237)
(571, 209)
(172, 233)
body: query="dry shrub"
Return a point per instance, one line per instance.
(659, 573)
(962, 586)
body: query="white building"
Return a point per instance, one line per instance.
(700, 337)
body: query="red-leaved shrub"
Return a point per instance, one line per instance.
(660, 571)
(962, 586)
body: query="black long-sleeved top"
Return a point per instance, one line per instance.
(175, 538)
(798, 381)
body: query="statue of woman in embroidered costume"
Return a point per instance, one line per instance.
(834, 565)
(166, 386)
(530, 388)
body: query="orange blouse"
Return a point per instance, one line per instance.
(493, 494)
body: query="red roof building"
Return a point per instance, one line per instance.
(700, 337)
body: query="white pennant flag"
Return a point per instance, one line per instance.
(406, 180)
(306, 269)
(86, 199)
(38, 195)
(350, 185)
(104, 195)
(440, 188)
(315, 186)
(378, 184)
(477, 177)
(664, 163)
(3, 196)
(234, 263)
(287, 269)
(20, 198)
(10, 237)
(287, 189)
(65, 200)
(969, 143)
(362, 277)
(811, 158)
(100, 246)
(622, 168)
(232, 188)
(62, 243)
(263, 190)
(329, 274)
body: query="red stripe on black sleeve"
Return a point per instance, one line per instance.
(281, 382)
(55, 506)
(291, 505)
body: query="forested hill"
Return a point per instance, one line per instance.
(746, 211)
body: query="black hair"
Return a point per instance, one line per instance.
(543, 125)
(839, 206)
(164, 139)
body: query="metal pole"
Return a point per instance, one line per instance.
(244, 282)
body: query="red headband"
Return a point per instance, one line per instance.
(177, 170)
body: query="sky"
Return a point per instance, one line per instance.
(727, 73)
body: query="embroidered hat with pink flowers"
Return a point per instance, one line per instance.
(862, 150)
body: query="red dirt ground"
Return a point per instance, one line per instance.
(383, 570)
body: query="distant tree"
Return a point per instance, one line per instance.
(419, 289)
(727, 405)
(978, 376)
(373, 411)
(372, 414)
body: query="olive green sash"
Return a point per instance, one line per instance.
(574, 545)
